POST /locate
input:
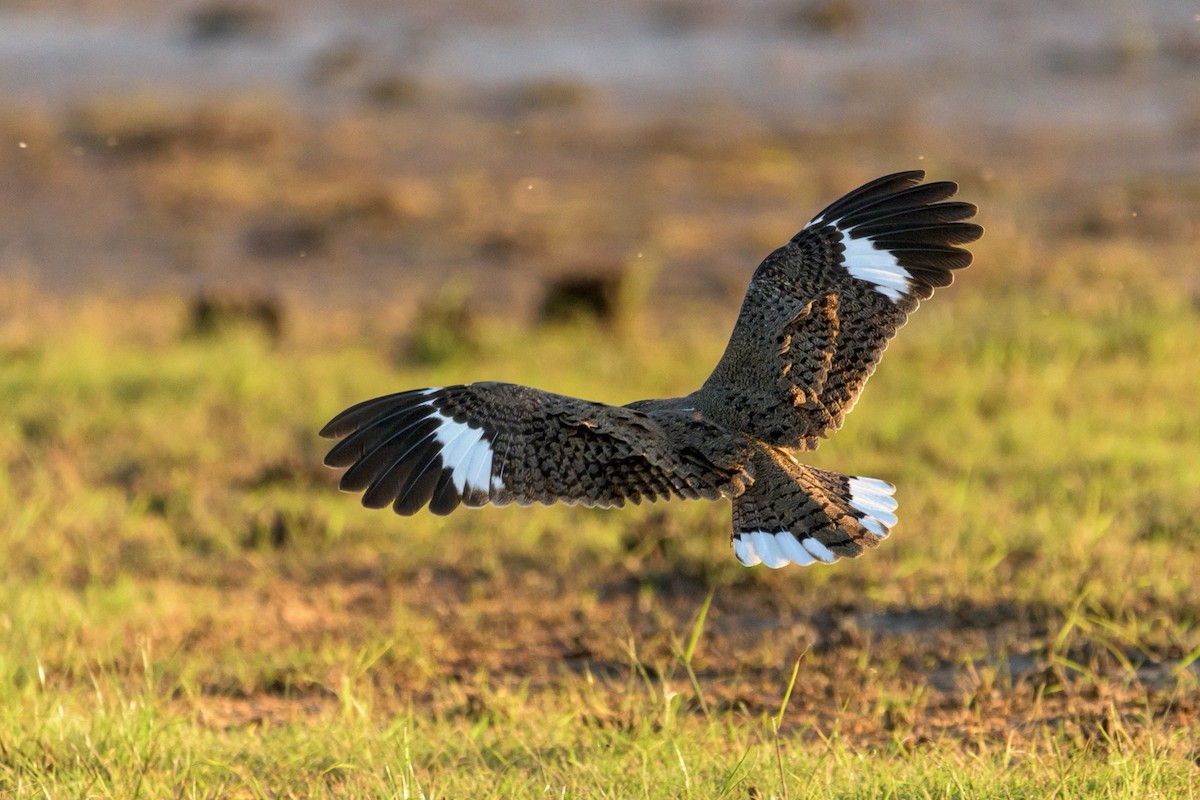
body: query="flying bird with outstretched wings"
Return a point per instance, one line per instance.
(817, 317)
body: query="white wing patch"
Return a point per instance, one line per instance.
(467, 454)
(779, 549)
(873, 498)
(863, 260)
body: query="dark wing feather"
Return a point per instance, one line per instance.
(500, 443)
(820, 311)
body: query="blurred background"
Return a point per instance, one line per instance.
(223, 221)
(361, 152)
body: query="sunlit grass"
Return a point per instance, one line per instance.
(189, 607)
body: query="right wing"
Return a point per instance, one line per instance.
(501, 443)
(821, 309)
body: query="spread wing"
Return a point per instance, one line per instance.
(821, 309)
(501, 443)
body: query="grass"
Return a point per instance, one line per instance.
(188, 607)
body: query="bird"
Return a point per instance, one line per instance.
(817, 316)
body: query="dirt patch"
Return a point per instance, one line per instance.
(450, 642)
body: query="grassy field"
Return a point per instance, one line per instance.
(189, 608)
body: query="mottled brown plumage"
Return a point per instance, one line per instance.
(817, 316)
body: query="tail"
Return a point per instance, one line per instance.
(794, 513)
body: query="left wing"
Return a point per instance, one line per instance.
(501, 443)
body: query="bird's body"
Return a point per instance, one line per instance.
(817, 316)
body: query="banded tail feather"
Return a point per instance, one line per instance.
(802, 515)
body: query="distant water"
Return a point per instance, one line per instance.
(1132, 67)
